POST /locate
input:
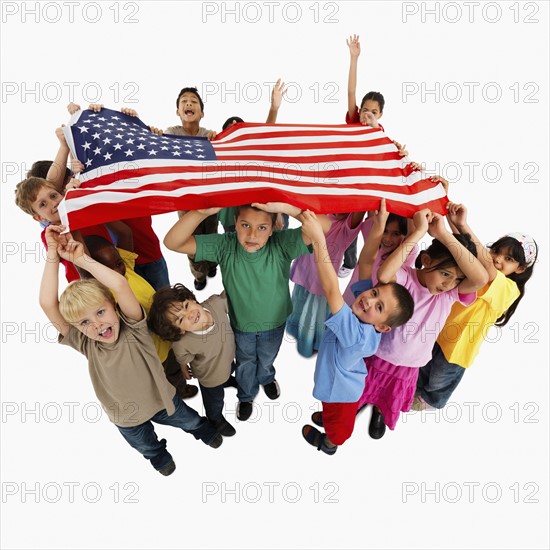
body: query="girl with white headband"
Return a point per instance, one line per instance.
(509, 261)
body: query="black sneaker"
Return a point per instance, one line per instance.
(199, 285)
(244, 410)
(212, 272)
(224, 427)
(216, 442)
(168, 469)
(272, 390)
(231, 382)
(377, 427)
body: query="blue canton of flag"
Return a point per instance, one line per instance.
(110, 137)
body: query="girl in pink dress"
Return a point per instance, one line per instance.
(445, 273)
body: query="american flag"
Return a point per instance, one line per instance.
(131, 172)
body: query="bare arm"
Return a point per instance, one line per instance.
(49, 287)
(476, 275)
(372, 243)
(56, 173)
(295, 212)
(392, 264)
(354, 51)
(276, 99)
(327, 275)
(180, 237)
(458, 219)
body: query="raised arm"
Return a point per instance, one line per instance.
(476, 275)
(295, 212)
(128, 303)
(276, 99)
(180, 237)
(56, 173)
(49, 287)
(372, 243)
(457, 217)
(392, 264)
(329, 280)
(354, 52)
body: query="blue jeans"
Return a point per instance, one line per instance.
(212, 399)
(438, 379)
(155, 273)
(255, 354)
(144, 439)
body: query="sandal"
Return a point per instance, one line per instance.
(314, 437)
(317, 418)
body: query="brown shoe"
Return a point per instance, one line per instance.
(187, 391)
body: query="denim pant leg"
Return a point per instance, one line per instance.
(269, 344)
(188, 420)
(350, 255)
(245, 372)
(155, 273)
(144, 439)
(440, 381)
(212, 399)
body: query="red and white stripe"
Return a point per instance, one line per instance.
(328, 169)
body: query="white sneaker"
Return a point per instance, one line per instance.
(420, 405)
(344, 272)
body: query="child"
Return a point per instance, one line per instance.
(203, 343)
(447, 271)
(309, 305)
(40, 198)
(371, 110)
(190, 109)
(255, 264)
(226, 216)
(126, 373)
(352, 333)
(123, 261)
(509, 264)
(394, 233)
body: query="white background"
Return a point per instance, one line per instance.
(435, 481)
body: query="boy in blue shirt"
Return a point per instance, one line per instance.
(352, 334)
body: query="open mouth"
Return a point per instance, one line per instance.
(362, 305)
(189, 112)
(197, 317)
(106, 333)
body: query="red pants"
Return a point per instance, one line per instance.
(339, 421)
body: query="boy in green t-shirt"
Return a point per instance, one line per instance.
(255, 266)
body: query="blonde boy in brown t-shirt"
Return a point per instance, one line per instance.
(126, 373)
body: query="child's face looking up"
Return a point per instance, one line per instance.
(370, 106)
(101, 323)
(45, 205)
(374, 306)
(391, 238)
(253, 229)
(189, 316)
(189, 108)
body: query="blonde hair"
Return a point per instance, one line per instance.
(27, 190)
(83, 295)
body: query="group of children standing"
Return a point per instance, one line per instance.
(378, 343)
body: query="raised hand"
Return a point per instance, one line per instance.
(457, 214)
(277, 94)
(354, 46)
